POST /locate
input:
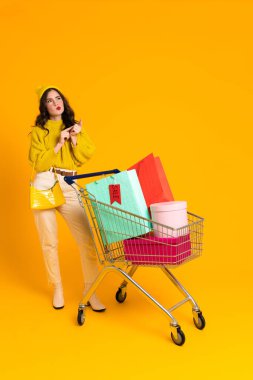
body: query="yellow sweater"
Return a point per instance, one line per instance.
(69, 156)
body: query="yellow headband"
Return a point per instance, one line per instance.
(40, 90)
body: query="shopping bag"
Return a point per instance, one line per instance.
(121, 191)
(153, 180)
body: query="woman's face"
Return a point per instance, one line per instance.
(54, 105)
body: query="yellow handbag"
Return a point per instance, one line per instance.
(46, 199)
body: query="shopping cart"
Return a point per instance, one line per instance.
(161, 246)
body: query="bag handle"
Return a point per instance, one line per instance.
(107, 178)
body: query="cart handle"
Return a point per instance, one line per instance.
(70, 179)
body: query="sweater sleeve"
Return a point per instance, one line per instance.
(84, 148)
(43, 158)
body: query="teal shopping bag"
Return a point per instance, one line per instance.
(121, 191)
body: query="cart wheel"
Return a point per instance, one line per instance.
(80, 317)
(200, 323)
(180, 338)
(120, 296)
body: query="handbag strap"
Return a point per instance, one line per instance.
(33, 170)
(32, 173)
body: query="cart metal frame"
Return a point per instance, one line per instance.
(112, 255)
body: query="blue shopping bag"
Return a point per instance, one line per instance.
(121, 190)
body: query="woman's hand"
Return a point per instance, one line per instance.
(76, 128)
(64, 136)
(74, 132)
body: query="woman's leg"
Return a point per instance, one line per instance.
(45, 221)
(77, 222)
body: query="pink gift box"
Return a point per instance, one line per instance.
(153, 250)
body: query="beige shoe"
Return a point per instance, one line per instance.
(94, 302)
(58, 300)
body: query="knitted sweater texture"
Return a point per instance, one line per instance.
(69, 156)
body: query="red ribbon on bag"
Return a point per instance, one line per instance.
(115, 195)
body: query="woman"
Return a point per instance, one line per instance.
(60, 144)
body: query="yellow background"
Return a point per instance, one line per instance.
(169, 77)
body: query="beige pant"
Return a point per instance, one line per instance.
(75, 218)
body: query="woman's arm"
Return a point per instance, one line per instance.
(82, 146)
(38, 154)
(44, 158)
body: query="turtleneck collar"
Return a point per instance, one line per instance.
(54, 123)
